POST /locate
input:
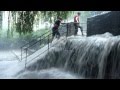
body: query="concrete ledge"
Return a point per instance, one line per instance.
(109, 22)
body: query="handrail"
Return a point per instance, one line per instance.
(44, 51)
(44, 34)
(40, 48)
(29, 43)
(41, 39)
(34, 44)
(37, 41)
(32, 40)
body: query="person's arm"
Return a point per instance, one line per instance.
(77, 19)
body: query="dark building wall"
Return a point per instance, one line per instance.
(109, 22)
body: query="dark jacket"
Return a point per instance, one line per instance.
(56, 24)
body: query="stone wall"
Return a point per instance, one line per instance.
(109, 22)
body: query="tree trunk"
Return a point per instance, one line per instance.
(13, 28)
(8, 32)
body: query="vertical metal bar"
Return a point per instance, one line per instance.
(26, 58)
(40, 40)
(67, 29)
(48, 43)
(21, 53)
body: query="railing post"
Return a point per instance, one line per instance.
(48, 43)
(67, 31)
(21, 53)
(40, 40)
(26, 58)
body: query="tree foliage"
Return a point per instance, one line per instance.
(26, 19)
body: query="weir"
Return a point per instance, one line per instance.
(76, 57)
(94, 57)
(88, 57)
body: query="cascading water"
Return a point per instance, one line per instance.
(87, 57)
(52, 73)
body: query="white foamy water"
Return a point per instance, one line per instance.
(72, 58)
(10, 63)
(52, 73)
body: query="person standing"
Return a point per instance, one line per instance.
(76, 23)
(55, 30)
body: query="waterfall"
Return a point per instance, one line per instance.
(87, 57)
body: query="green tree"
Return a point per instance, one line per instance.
(26, 19)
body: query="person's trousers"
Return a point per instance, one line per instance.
(55, 32)
(76, 28)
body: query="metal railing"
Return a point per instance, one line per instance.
(46, 49)
(45, 37)
(25, 46)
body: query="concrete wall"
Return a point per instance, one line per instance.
(109, 22)
(63, 29)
